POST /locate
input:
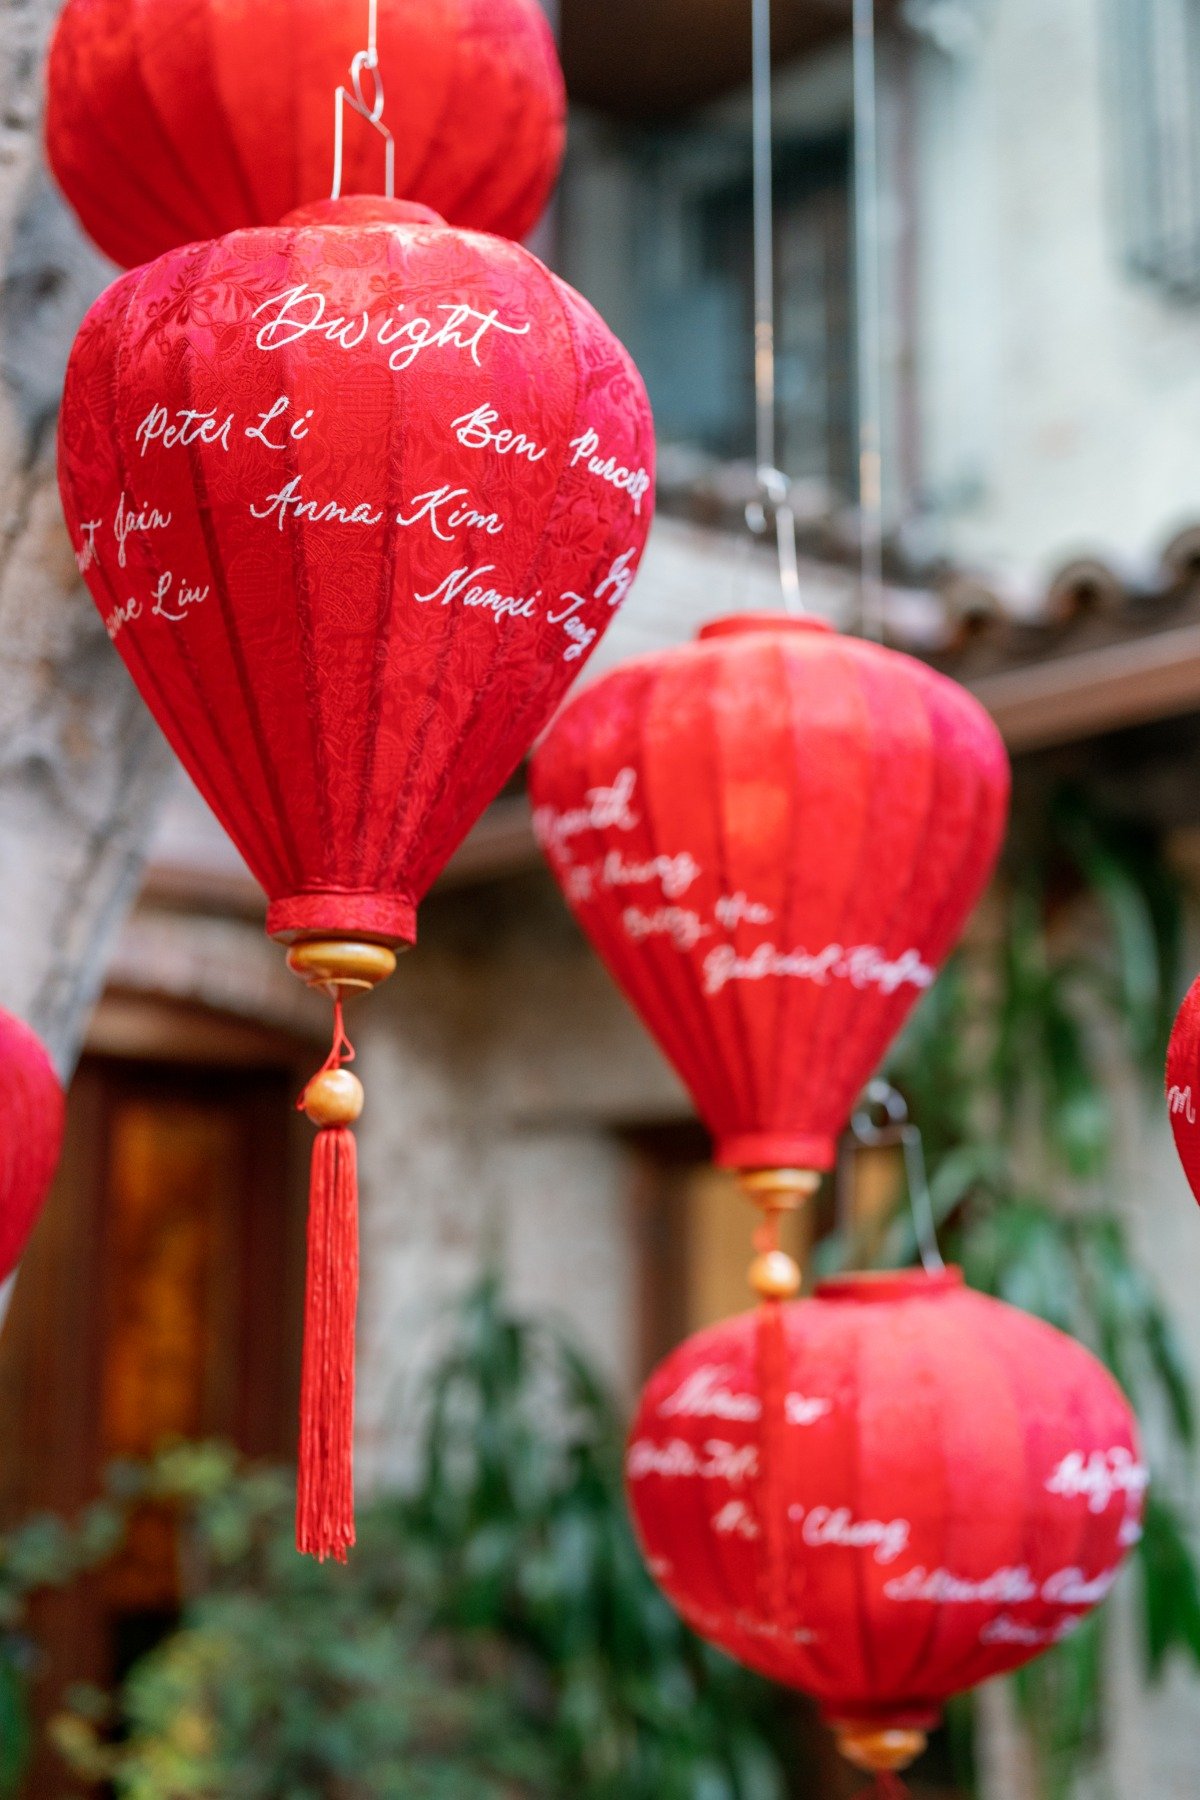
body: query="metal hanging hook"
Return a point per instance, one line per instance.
(774, 490)
(366, 62)
(881, 1121)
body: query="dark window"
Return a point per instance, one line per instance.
(691, 309)
(1153, 70)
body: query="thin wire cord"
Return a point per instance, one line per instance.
(365, 62)
(881, 1120)
(764, 240)
(870, 321)
(773, 485)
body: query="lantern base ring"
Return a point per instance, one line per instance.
(338, 964)
(879, 1749)
(779, 1190)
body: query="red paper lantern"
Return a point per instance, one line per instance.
(356, 497)
(172, 120)
(1183, 1086)
(773, 836)
(32, 1110)
(884, 1495)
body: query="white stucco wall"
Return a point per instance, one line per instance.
(1060, 396)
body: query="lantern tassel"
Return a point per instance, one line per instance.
(773, 1511)
(325, 1486)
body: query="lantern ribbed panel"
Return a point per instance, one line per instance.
(1183, 1086)
(809, 820)
(172, 120)
(345, 694)
(936, 1442)
(32, 1112)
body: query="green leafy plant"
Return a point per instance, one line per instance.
(46, 1553)
(495, 1633)
(522, 1504)
(287, 1678)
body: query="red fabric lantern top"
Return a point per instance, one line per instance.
(887, 1494)
(356, 501)
(32, 1111)
(173, 120)
(1183, 1086)
(773, 836)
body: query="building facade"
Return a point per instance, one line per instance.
(1041, 259)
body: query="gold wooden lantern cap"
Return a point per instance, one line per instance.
(779, 1190)
(339, 964)
(879, 1749)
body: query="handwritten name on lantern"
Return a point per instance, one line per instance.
(445, 511)
(1180, 1103)
(604, 809)
(863, 966)
(677, 1460)
(706, 1394)
(303, 311)
(825, 1526)
(1013, 1586)
(131, 519)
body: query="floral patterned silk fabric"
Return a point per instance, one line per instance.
(173, 120)
(886, 1494)
(356, 497)
(773, 836)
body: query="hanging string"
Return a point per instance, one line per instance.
(869, 302)
(773, 484)
(341, 1050)
(366, 62)
(882, 1121)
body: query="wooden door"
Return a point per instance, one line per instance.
(159, 1301)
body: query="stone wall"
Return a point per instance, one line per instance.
(81, 764)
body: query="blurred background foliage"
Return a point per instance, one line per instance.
(495, 1633)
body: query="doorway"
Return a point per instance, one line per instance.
(159, 1301)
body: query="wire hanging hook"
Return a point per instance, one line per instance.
(881, 1120)
(366, 62)
(774, 492)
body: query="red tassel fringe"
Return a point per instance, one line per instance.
(325, 1489)
(772, 1499)
(888, 1787)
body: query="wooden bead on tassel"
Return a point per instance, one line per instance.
(775, 1276)
(334, 1097)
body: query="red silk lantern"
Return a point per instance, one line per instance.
(173, 120)
(773, 836)
(1183, 1086)
(32, 1110)
(884, 1495)
(356, 497)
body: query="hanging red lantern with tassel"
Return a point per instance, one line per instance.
(1183, 1086)
(174, 120)
(773, 836)
(884, 1495)
(32, 1114)
(356, 497)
